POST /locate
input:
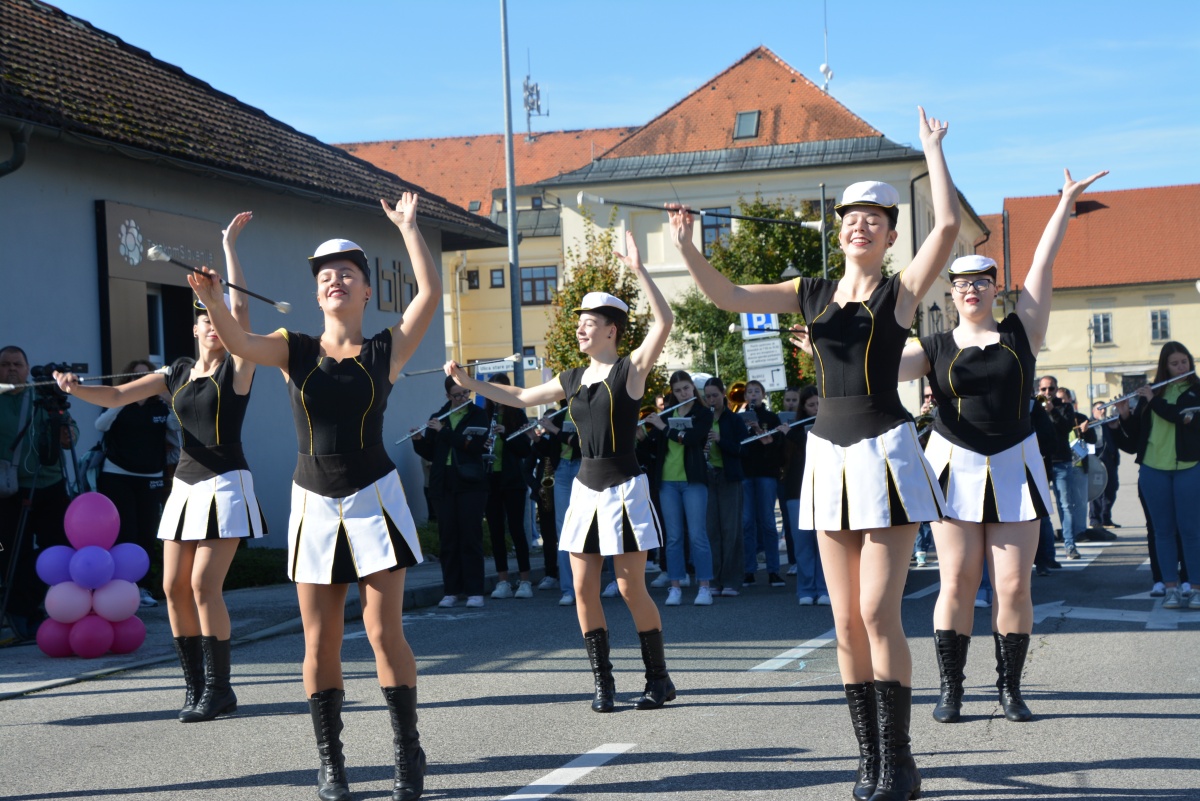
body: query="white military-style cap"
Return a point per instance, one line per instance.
(603, 303)
(336, 249)
(869, 193)
(972, 265)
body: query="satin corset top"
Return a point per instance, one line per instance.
(209, 411)
(604, 414)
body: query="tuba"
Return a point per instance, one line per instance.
(736, 396)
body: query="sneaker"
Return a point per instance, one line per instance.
(791, 571)
(776, 580)
(661, 581)
(823, 600)
(1041, 570)
(674, 596)
(1185, 589)
(503, 590)
(652, 568)
(1073, 554)
(524, 590)
(1158, 590)
(921, 558)
(1195, 602)
(703, 597)
(567, 599)
(475, 601)
(748, 580)
(548, 583)
(611, 591)
(447, 601)
(807, 600)
(146, 599)
(729, 592)
(686, 581)
(1172, 599)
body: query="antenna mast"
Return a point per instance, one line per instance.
(824, 69)
(533, 100)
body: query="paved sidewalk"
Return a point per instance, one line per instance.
(256, 613)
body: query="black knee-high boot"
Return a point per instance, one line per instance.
(597, 649)
(410, 757)
(899, 779)
(659, 687)
(326, 710)
(861, 699)
(951, 658)
(1011, 650)
(191, 659)
(218, 697)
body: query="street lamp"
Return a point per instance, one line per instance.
(935, 319)
(790, 271)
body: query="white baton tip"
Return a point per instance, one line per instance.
(284, 307)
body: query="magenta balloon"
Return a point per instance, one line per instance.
(68, 602)
(53, 638)
(53, 564)
(92, 520)
(91, 637)
(128, 635)
(131, 561)
(91, 567)
(116, 600)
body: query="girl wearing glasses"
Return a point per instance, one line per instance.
(985, 453)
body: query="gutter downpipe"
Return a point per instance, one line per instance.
(20, 142)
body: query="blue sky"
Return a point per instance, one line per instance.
(1028, 87)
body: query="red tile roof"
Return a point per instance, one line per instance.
(791, 109)
(466, 168)
(1130, 236)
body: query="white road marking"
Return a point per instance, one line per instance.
(930, 590)
(792, 654)
(569, 773)
(1144, 566)
(1060, 609)
(1087, 553)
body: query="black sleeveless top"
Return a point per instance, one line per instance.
(606, 419)
(210, 414)
(338, 411)
(858, 348)
(983, 394)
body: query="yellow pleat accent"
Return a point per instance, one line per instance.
(867, 354)
(304, 406)
(611, 428)
(950, 381)
(362, 426)
(817, 350)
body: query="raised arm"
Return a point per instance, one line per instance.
(759, 298)
(147, 386)
(407, 334)
(507, 395)
(644, 356)
(1034, 303)
(270, 350)
(914, 363)
(239, 302)
(919, 275)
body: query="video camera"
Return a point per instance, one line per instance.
(49, 396)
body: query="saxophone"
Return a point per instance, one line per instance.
(547, 490)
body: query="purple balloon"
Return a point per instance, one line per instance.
(91, 567)
(68, 602)
(128, 635)
(131, 561)
(91, 637)
(53, 564)
(116, 600)
(92, 519)
(52, 638)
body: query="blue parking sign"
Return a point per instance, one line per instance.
(753, 325)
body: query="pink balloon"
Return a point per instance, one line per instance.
(92, 519)
(128, 635)
(53, 564)
(116, 600)
(52, 638)
(91, 637)
(68, 602)
(131, 561)
(91, 567)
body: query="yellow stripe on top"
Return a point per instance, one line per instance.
(363, 425)
(173, 409)
(611, 428)
(867, 352)
(1021, 373)
(817, 350)
(304, 405)
(950, 381)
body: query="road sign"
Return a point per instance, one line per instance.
(771, 377)
(530, 363)
(491, 368)
(763, 352)
(752, 325)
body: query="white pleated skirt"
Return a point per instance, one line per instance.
(316, 521)
(1015, 498)
(188, 509)
(608, 508)
(874, 483)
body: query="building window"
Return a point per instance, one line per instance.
(1102, 333)
(529, 350)
(472, 279)
(497, 278)
(538, 285)
(746, 126)
(537, 202)
(498, 206)
(1160, 325)
(473, 206)
(715, 229)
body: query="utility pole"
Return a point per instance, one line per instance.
(510, 208)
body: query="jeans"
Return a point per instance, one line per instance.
(564, 477)
(810, 578)
(1045, 550)
(1171, 498)
(1070, 492)
(758, 522)
(685, 506)
(924, 539)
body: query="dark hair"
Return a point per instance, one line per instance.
(500, 378)
(807, 392)
(16, 349)
(1169, 350)
(716, 382)
(611, 316)
(1052, 378)
(133, 365)
(758, 384)
(677, 377)
(448, 383)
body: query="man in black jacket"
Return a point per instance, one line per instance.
(1100, 510)
(1068, 472)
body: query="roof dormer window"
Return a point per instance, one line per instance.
(746, 125)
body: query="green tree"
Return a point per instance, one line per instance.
(592, 266)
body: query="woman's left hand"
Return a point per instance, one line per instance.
(229, 235)
(404, 216)
(631, 258)
(932, 130)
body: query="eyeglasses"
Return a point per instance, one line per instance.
(458, 396)
(980, 285)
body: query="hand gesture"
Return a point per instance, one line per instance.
(932, 130)
(632, 258)
(456, 372)
(417, 433)
(1145, 393)
(1083, 427)
(404, 216)
(207, 286)
(229, 235)
(714, 436)
(66, 381)
(1073, 189)
(498, 429)
(800, 338)
(682, 225)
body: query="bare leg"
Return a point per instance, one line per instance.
(631, 580)
(177, 587)
(960, 547)
(209, 567)
(1010, 551)
(382, 597)
(840, 556)
(322, 610)
(585, 568)
(883, 569)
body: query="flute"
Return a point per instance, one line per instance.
(534, 424)
(664, 411)
(776, 430)
(443, 416)
(1152, 386)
